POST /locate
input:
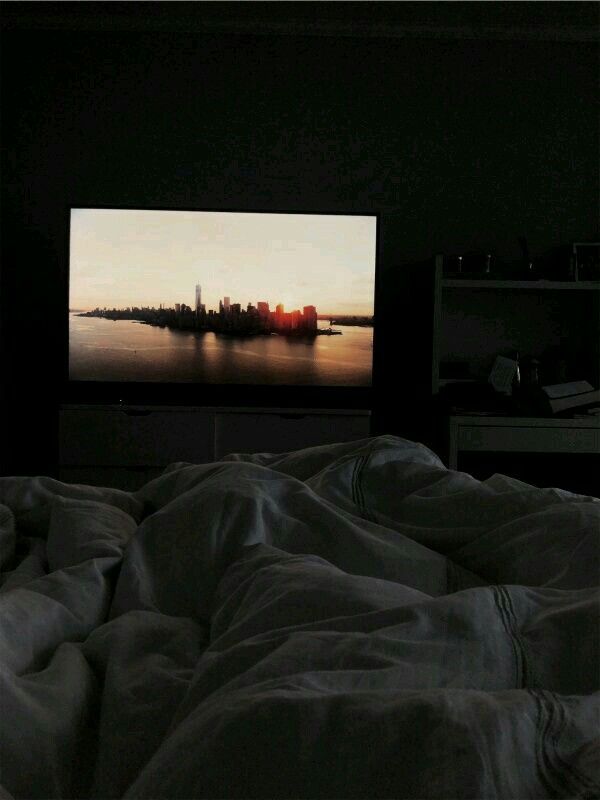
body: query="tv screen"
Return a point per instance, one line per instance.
(221, 299)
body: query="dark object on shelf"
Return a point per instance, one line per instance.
(474, 264)
(556, 264)
(566, 397)
(453, 266)
(531, 273)
(504, 374)
(528, 271)
(530, 373)
(477, 264)
(586, 261)
(516, 381)
(555, 365)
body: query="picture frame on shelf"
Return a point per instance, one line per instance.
(586, 261)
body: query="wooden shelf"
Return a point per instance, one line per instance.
(525, 422)
(469, 283)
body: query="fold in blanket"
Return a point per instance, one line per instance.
(351, 620)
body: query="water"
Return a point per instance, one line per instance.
(125, 350)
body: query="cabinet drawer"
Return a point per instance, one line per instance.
(528, 439)
(114, 437)
(281, 433)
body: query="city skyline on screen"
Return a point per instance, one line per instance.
(123, 258)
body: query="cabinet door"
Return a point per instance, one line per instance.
(281, 433)
(134, 437)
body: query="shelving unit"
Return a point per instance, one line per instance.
(475, 319)
(481, 283)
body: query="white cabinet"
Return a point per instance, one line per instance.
(539, 451)
(127, 446)
(521, 435)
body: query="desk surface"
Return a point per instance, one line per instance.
(524, 422)
(481, 434)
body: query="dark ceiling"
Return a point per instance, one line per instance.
(494, 20)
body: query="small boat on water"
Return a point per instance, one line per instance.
(329, 332)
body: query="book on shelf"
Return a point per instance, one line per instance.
(566, 396)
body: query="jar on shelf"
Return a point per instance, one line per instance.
(516, 380)
(530, 373)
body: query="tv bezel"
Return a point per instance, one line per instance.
(216, 395)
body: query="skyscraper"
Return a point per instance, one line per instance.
(310, 318)
(198, 298)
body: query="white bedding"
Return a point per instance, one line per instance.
(345, 621)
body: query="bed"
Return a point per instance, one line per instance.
(344, 621)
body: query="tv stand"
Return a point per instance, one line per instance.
(127, 445)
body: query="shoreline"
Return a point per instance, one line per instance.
(310, 335)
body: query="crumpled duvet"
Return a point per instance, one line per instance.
(344, 621)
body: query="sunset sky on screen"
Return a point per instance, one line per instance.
(124, 258)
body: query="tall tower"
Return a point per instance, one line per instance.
(198, 298)
(310, 318)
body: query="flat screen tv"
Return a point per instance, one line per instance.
(221, 307)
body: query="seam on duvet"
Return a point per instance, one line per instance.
(544, 767)
(500, 601)
(529, 672)
(357, 490)
(355, 486)
(585, 786)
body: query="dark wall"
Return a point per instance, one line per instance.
(459, 144)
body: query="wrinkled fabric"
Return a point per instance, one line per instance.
(350, 620)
